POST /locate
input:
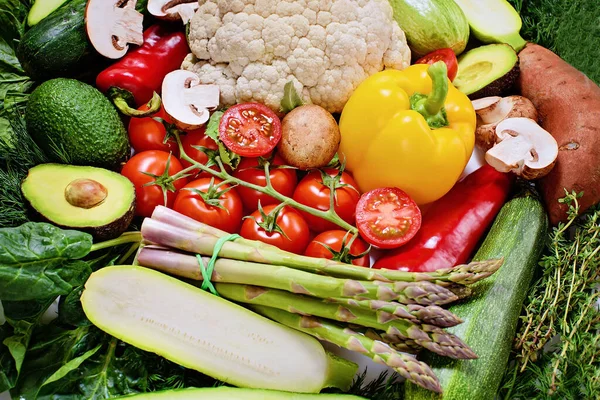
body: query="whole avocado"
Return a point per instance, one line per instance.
(72, 121)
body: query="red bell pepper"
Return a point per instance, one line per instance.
(453, 225)
(142, 70)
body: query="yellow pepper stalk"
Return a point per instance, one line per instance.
(398, 132)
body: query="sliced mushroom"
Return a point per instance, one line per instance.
(186, 100)
(492, 110)
(524, 148)
(112, 24)
(173, 9)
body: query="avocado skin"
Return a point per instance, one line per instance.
(78, 119)
(109, 231)
(502, 86)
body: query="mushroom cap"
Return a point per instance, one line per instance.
(524, 148)
(173, 10)
(492, 110)
(111, 26)
(186, 100)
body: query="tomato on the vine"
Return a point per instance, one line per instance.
(250, 129)
(387, 217)
(211, 202)
(197, 138)
(313, 191)
(251, 170)
(148, 134)
(335, 239)
(295, 235)
(445, 55)
(152, 166)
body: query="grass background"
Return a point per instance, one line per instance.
(570, 28)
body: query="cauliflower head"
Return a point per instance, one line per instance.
(252, 48)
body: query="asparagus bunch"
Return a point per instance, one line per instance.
(407, 366)
(278, 277)
(169, 228)
(430, 337)
(380, 313)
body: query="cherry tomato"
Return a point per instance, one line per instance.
(387, 217)
(152, 162)
(227, 217)
(149, 134)
(290, 222)
(313, 191)
(283, 180)
(250, 129)
(335, 239)
(198, 138)
(445, 55)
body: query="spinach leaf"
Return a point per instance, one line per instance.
(15, 334)
(8, 369)
(85, 363)
(70, 310)
(39, 260)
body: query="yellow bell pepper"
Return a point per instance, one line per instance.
(398, 132)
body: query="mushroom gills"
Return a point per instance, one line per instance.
(112, 24)
(173, 9)
(186, 100)
(524, 148)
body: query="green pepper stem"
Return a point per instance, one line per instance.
(438, 73)
(431, 106)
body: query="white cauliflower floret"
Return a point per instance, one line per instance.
(252, 48)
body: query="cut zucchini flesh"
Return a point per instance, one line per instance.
(228, 393)
(200, 331)
(493, 21)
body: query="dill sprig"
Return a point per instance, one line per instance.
(557, 348)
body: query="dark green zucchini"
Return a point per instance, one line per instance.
(57, 46)
(491, 314)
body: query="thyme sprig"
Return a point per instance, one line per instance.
(557, 348)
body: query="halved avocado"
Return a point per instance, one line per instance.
(490, 70)
(89, 199)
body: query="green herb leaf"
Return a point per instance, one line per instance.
(290, 99)
(15, 334)
(39, 260)
(227, 156)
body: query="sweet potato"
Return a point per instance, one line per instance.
(568, 103)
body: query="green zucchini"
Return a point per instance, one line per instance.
(207, 333)
(228, 393)
(431, 25)
(491, 314)
(58, 45)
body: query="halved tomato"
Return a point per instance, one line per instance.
(387, 217)
(250, 129)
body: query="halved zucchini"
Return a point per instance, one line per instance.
(198, 330)
(228, 393)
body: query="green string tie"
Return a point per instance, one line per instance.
(207, 270)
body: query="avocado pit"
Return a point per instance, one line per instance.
(85, 193)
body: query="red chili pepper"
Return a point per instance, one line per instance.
(142, 70)
(453, 225)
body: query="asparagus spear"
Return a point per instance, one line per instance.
(435, 340)
(433, 315)
(407, 346)
(407, 366)
(202, 239)
(274, 276)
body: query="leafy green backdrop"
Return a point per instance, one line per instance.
(570, 28)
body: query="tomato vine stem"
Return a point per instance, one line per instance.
(329, 215)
